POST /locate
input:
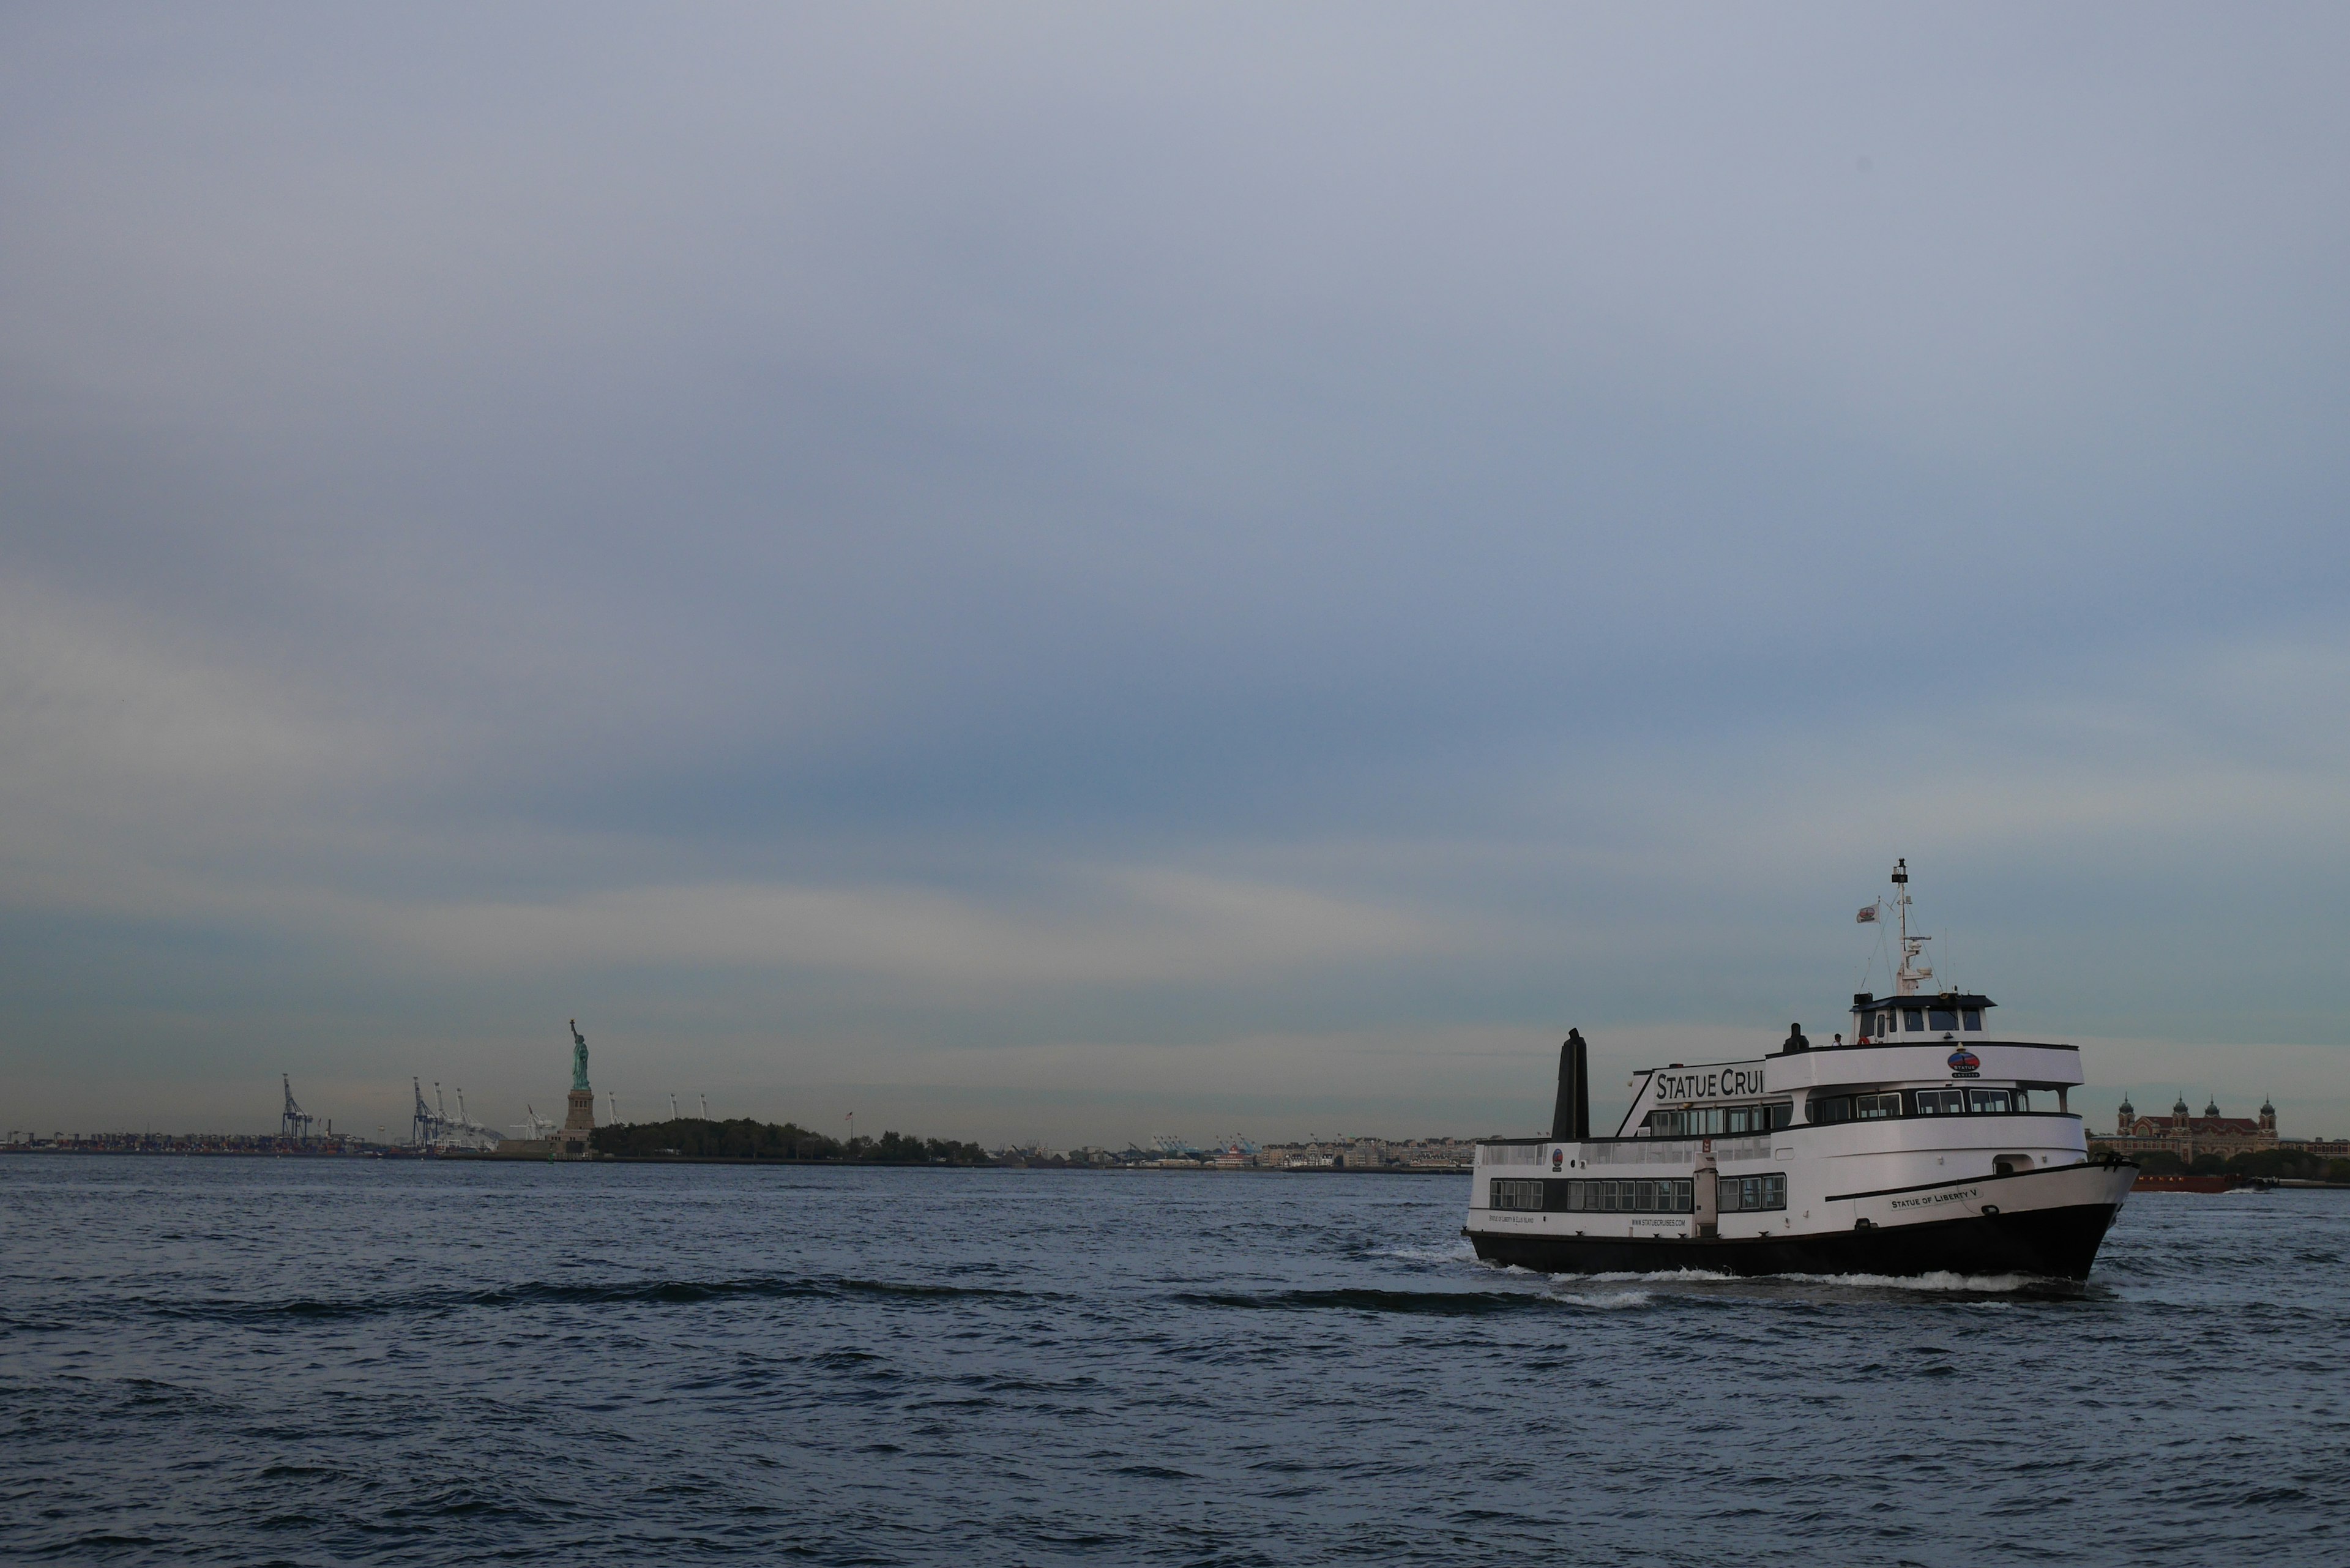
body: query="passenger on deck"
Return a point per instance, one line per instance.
(1795, 1041)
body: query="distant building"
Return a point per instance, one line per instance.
(2188, 1136)
(1366, 1154)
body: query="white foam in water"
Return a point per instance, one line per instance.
(1941, 1279)
(1459, 1252)
(1604, 1301)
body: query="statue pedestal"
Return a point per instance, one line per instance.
(572, 1143)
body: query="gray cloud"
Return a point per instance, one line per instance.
(860, 541)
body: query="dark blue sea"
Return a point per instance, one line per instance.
(252, 1361)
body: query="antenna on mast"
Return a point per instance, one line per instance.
(1905, 979)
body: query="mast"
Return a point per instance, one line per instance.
(1905, 979)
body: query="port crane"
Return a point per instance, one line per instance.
(294, 1122)
(432, 1127)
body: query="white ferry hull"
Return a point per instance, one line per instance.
(2046, 1222)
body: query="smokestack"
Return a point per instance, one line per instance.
(1570, 1119)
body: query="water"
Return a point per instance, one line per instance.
(312, 1362)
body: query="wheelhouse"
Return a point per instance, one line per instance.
(1885, 1019)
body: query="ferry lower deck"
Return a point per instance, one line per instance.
(2046, 1221)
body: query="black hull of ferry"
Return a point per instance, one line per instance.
(2057, 1243)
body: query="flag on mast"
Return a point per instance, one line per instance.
(1866, 917)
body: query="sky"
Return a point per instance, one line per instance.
(1077, 572)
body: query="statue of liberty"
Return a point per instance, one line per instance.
(579, 1059)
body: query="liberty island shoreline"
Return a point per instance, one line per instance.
(1270, 1161)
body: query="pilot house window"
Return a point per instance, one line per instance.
(1971, 1019)
(1913, 1018)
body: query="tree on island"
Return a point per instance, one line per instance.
(693, 1138)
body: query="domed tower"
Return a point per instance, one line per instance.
(2212, 1107)
(2267, 1117)
(2178, 1115)
(2127, 1114)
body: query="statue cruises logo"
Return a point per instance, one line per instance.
(1965, 1063)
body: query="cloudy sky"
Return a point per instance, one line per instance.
(1075, 572)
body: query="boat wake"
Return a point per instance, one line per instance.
(1459, 1252)
(1940, 1282)
(1942, 1285)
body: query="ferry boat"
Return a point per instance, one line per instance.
(1921, 1142)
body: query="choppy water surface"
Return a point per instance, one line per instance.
(292, 1361)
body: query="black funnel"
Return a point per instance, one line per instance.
(1570, 1120)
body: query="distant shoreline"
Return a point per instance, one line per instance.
(476, 1157)
(942, 1165)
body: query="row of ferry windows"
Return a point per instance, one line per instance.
(1917, 1103)
(1728, 1121)
(1663, 1195)
(1719, 1121)
(1925, 1019)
